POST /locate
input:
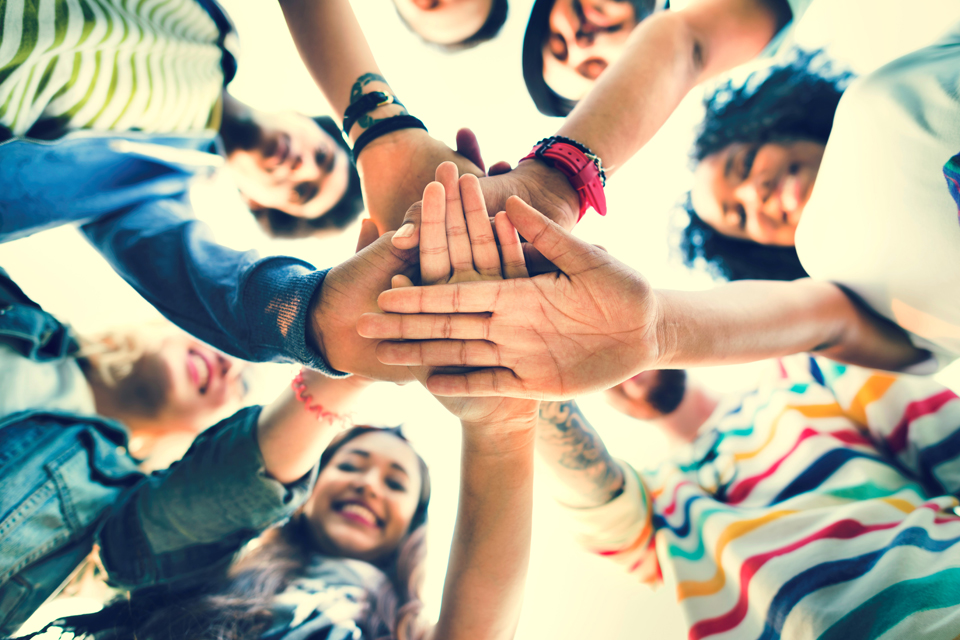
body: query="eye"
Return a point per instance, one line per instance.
(742, 216)
(346, 466)
(748, 159)
(558, 46)
(396, 485)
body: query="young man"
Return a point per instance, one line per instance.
(819, 505)
(111, 139)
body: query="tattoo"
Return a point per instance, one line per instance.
(363, 81)
(580, 447)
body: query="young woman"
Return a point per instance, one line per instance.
(346, 563)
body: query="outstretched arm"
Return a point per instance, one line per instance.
(584, 472)
(397, 166)
(598, 322)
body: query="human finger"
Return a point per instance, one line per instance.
(469, 148)
(536, 263)
(486, 258)
(440, 353)
(557, 245)
(434, 253)
(463, 297)
(458, 240)
(368, 234)
(399, 281)
(392, 326)
(499, 168)
(407, 235)
(514, 264)
(482, 383)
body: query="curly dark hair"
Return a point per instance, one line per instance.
(793, 101)
(487, 31)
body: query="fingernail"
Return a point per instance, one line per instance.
(404, 232)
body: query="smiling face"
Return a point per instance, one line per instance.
(444, 21)
(288, 163)
(365, 497)
(182, 383)
(584, 37)
(757, 191)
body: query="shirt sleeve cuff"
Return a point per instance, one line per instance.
(617, 524)
(279, 291)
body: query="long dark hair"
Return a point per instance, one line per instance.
(238, 605)
(793, 101)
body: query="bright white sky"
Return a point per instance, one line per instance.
(570, 594)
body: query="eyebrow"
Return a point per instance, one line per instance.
(393, 465)
(728, 166)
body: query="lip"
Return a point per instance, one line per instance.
(195, 374)
(357, 518)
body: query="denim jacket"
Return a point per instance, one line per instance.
(67, 481)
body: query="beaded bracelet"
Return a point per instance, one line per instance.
(300, 390)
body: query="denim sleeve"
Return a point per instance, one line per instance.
(179, 525)
(256, 309)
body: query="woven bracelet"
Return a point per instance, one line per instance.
(384, 127)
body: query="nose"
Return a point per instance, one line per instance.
(426, 5)
(763, 207)
(368, 484)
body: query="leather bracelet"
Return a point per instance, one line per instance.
(582, 168)
(364, 105)
(384, 127)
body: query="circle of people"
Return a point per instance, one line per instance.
(820, 504)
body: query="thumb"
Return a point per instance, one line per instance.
(368, 234)
(469, 148)
(569, 254)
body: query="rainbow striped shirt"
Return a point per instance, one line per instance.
(108, 65)
(818, 506)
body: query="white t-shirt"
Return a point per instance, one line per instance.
(57, 386)
(880, 220)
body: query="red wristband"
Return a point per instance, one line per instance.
(582, 170)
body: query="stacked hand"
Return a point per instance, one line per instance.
(458, 245)
(553, 336)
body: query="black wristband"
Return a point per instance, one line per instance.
(382, 128)
(365, 104)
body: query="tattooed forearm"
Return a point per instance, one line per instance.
(357, 90)
(576, 453)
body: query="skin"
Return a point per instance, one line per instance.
(365, 498)
(444, 21)
(295, 167)
(681, 426)
(585, 37)
(757, 192)
(195, 384)
(597, 322)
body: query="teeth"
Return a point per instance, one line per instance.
(203, 371)
(360, 510)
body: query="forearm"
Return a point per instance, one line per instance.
(336, 53)
(483, 591)
(666, 56)
(291, 438)
(754, 320)
(584, 472)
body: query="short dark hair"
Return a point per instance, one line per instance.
(548, 101)
(793, 101)
(487, 31)
(278, 224)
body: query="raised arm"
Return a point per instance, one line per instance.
(334, 49)
(238, 478)
(598, 322)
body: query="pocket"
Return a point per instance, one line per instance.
(64, 505)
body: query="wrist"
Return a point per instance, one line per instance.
(372, 117)
(543, 183)
(499, 438)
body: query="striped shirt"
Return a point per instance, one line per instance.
(819, 506)
(108, 65)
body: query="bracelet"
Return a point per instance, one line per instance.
(300, 390)
(384, 127)
(582, 168)
(365, 104)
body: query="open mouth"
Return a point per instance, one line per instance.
(359, 513)
(200, 370)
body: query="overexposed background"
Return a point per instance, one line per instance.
(570, 594)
